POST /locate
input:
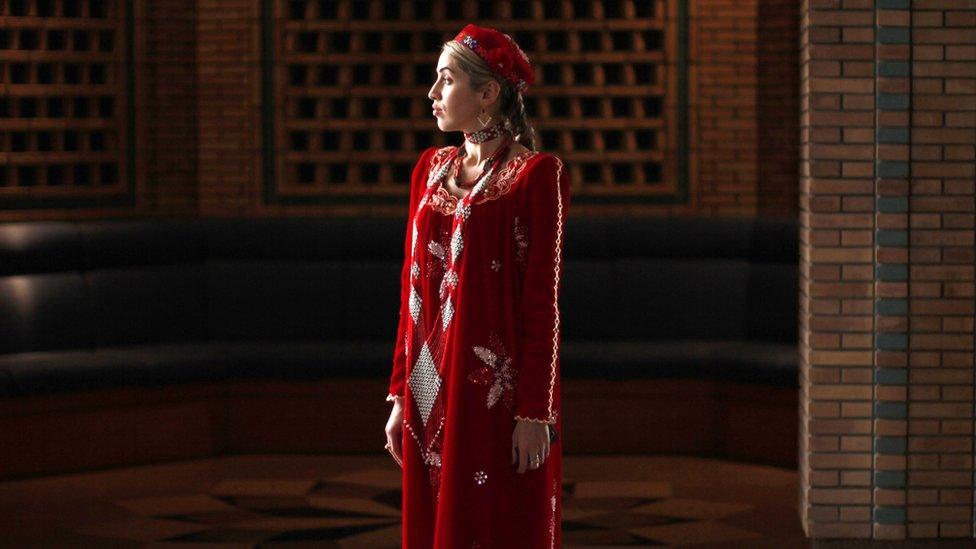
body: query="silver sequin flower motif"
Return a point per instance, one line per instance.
(480, 477)
(437, 260)
(449, 282)
(496, 372)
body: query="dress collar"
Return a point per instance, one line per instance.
(498, 185)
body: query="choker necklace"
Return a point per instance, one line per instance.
(491, 164)
(481, 136)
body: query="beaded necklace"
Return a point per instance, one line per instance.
(481, 136)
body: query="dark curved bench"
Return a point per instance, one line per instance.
(101, 304)
(673, 297)
(96, 305)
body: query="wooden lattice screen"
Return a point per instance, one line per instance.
(345, 93)
(65, 112)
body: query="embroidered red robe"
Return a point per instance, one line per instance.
(477, 349)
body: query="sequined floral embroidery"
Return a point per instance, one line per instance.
(552, 513)
(521, 243)
(433, 461)
(437, 163)
(437, 261)
(496, 265)
(502, 183)
(443, 201)
(497, 373)
(480, 477)
(499, 184)
(431, 456)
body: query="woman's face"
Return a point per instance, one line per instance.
(454, 104)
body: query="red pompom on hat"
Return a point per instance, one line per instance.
(500, 52)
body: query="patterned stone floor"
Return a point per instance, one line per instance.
(354, 501)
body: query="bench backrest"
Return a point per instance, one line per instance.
(71, 285)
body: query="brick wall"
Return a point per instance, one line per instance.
(724, 138)
(229, 107)
(777, 107)
(941, 270)
(887, 268)
(166, 76)
(745, 131)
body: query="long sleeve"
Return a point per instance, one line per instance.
(418, 181)
(546, 203)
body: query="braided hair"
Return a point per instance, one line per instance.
(511, 104)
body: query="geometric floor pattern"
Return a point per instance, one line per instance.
(363, 510)
(692, 502)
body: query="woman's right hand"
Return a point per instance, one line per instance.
(394, 431)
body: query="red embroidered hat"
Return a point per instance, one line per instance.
(501, 53)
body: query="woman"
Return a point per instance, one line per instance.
(475, 383)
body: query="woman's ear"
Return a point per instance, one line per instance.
(491, 91)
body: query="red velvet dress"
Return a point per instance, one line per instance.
(477, 348)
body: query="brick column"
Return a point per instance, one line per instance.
(888, 130)
(941, 277)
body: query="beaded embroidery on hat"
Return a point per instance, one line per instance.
(512, 76)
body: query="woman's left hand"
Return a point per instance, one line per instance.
(530, 444)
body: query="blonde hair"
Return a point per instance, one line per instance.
(512, 106)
